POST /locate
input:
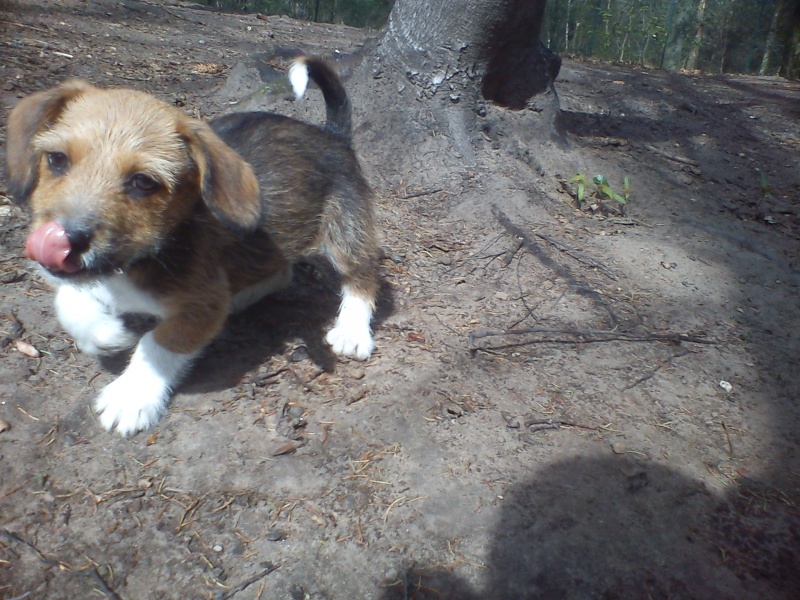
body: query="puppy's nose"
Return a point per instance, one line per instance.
(79, 239)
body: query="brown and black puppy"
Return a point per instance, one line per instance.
(138, 208)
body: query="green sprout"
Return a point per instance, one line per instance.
(602, 190)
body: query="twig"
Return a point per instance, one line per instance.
(258, 379)
(177, 16)
(587, 336)
(727, 437)
(652, 373)
(247, 583)
(535, 425)
(62, 566)
(420, 194)
(579, 256)
(671, 156)
(15, 24)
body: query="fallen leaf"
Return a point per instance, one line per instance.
(4, 426)
(283, 448)
(152, 439)
(27, 349)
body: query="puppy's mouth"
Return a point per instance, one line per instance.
(62, 253)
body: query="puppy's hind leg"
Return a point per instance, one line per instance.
(352, 247)
(351, 334)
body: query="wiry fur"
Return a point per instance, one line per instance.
(237, 201)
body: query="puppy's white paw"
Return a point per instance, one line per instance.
(138, 397)
(351, 335)
(108, 335)
(86, 315)
(349, 340)
(131, 405)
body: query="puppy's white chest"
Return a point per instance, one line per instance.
(128, 298)
(92, 313)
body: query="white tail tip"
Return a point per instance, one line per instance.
(298, 77)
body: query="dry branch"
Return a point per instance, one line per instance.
(586, 336)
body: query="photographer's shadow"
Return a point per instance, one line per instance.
(617, 528)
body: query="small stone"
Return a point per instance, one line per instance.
(299, 354)
(296, 411)
(275, 535)
(217, 548)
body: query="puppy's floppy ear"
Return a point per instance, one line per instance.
(228, 185)
(30, 116)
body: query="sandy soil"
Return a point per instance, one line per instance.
(545, 416)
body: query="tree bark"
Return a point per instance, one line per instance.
(773, 30)
(456, 44)
(791, 60)
(699, 36)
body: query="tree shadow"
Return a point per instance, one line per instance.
(618, 528)
(680, 109)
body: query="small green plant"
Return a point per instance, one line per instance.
(600, 190)
(766, 188)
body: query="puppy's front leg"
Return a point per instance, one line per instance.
(138, 397)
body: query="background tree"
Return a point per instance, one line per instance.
(741, 36)
(440, 67)
(452, 44)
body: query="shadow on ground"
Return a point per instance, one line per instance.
(621, 528)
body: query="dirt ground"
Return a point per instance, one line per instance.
(564, 403)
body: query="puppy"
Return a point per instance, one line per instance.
(137, 208)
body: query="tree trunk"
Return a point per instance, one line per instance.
(439, 68)
(450, 45)
(566, 26)
(699, 36)
(791, 69)
(773, 30)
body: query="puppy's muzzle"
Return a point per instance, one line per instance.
(57, 248)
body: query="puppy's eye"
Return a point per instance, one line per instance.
(142, 185)
(58, 162)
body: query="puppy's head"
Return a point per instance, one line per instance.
(110, 173)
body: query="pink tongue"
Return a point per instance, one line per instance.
(50, 247)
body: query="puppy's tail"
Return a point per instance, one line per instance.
(337, 104)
